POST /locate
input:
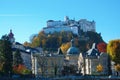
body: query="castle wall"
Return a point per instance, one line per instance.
(69, 25)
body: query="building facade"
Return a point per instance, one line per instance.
(47, 66)
(69, 25)
(93, 63)
(25, 52)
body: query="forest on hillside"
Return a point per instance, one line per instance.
(51, 42)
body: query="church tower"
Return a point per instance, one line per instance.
(11, 36)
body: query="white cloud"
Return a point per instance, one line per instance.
(10, 15)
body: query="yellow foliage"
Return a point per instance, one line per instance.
(26, 43)
(43, 42)
(117, 67)
(64, 47)
(113, 48)
(36, 42)
(99, 68)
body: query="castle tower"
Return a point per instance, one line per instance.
(66, 18)
(11, 36)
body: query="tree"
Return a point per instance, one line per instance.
(99, 68)
(33, 36)
(113, 49)
(21, 69)
(94, 37)
(35, 42)
(49, 41)
(17, 59)
(76, 42)
(117, 67)
(102, 47)
(26, 43)
(64, 47)
(6, 54)
(82, 46)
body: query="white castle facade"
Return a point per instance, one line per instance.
(69, 25)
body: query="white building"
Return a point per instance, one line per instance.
(73, 29)
(88, 62)
(69, 25)
(87, 25)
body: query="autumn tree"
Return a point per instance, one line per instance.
(102, 47)
(99, 68)
(6, 54)
(117, 67)
(35, 42)
(113, 49)
(64, 47)
(21, 69)
(26, 43)
(50, 41)
(33, 36)
(18, 66)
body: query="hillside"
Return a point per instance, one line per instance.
(51, 42)
(58, 34)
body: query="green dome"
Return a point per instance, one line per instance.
(72, 51)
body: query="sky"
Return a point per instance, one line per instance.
(27, 17)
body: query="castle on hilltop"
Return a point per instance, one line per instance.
(69, 25)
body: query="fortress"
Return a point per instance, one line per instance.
(69, 25)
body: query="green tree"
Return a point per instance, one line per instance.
(94, 37)
(6, 54)
(82, 45)
(17, 59)
(113, 48)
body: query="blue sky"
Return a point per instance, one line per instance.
(27, 17)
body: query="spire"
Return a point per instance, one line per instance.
(11, 36)
(10, 30)
(72, 43)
